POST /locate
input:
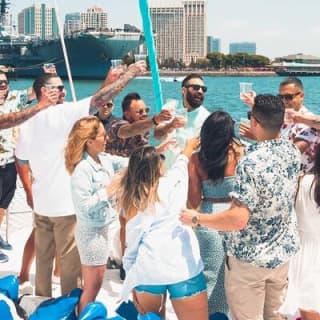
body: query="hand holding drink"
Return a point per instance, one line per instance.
(247, 95)
(182, 116)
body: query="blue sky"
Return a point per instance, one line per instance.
(279, 27)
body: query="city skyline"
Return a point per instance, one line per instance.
(278, 28)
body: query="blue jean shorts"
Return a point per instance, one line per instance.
(178, 290)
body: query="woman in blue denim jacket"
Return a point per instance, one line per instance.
(91, 171)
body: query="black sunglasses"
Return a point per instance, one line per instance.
(197, 87)
(51, 87)
(142, 111)
(250, 115)
(162, 156)
(4, 82)
(288, 96)
(109, 105)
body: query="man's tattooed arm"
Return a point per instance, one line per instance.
(12, 119)
(110, 90)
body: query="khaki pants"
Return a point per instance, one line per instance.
(254, 293)
(56, 234)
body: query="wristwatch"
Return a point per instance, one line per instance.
(196, 220)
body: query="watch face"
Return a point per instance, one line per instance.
(195, 220)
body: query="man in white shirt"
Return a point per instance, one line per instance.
(42, 144)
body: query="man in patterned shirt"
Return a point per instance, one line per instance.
(305, 137)
(133, 130)
(10, 101)
(261, 221)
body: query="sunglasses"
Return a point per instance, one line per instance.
(51, 87)
(196, 87)
(142, 111)
(4, 82)
(250, 115)
(109, 105)
(288, 96)
(162, 156)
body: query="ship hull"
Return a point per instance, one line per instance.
(301, 73)
(89, 55)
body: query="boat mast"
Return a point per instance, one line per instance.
(4, 8)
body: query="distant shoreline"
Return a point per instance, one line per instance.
(219, 73)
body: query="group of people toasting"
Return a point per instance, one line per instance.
(215, 229)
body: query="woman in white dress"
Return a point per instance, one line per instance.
(303, 294)
(162, 256)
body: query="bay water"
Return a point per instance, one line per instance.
(223, 92)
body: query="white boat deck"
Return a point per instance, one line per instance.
(20, 226)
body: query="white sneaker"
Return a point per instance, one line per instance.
(25, 288)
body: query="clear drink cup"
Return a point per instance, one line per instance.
(245, 89)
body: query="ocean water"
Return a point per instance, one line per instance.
(223, 92)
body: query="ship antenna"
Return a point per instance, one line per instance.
(64, 49)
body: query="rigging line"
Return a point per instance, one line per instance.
(63, 45)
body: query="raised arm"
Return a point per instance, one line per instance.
(141, 126)
(110, 89)
(161, 131)
(12, 119)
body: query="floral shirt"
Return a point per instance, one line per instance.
(124, 147)
(300, 131)
(16, 101)
(266, 182)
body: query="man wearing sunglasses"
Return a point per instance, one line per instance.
(13, 111)
(133, 130)
(193, 92)
(42, 146)
(105, 114)
(291, 92)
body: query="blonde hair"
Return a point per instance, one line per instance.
(84, 129)
(137, 186)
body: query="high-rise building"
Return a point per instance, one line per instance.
(213, 44)
(242, 47)
(195, 29)
(39, 20)
(94, 18)
(72, 23)
(168, 25)
(180, 29)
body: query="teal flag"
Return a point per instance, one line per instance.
(148, 33)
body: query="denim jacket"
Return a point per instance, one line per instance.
(88, 188)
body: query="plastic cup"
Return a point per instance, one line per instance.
(171, 106)
(182, 115)
(116, 63)
(245, 121)
(140, 57)
(288, 118)
(245, 88)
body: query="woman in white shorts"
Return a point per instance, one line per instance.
(91, 171)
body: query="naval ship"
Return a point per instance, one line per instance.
(89, 52)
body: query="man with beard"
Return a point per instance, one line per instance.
(193, 91)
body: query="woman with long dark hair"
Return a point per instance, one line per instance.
(211, 172)
(304, 272)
